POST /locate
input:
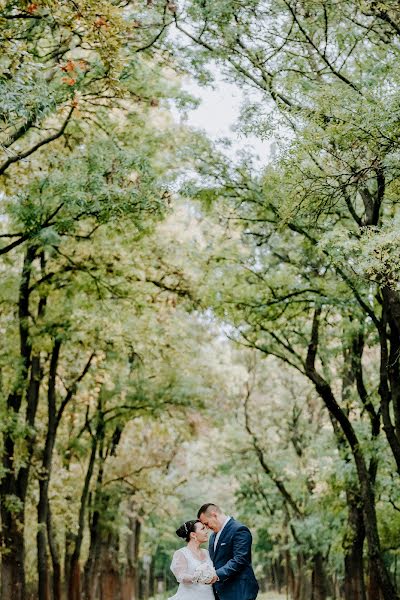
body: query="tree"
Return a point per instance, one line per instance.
(334, 179)
(71, 83)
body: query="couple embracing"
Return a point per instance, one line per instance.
(224, 571)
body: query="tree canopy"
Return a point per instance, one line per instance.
(181, 327)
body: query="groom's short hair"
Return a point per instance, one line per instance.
(207, 507)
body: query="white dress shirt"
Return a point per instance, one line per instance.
(220, 531)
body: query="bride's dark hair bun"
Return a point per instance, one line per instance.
(186, 529)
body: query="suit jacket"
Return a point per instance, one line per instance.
(232, 562)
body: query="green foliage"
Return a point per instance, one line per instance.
(139, 290)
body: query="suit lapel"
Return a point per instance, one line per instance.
(224, 533)
(211, 546)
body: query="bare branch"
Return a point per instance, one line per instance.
(35, 147)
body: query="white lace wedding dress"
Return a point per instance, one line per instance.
(183, 566)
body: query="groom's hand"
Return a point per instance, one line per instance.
(213, 580)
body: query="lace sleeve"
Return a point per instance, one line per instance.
(179, 567)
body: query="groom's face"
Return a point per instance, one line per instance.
(210, 520)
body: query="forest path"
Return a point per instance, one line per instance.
(272, 596)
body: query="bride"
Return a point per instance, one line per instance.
(192, 565)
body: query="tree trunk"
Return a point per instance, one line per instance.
(13, 486)
(95, 524)
(301, 586)
(43, 503)
(277, 575)
(319, 582)
(90, 583)
(74, 583)
(128, 585)
(152, 584)
(290, 582)
(386, 395)
(68, 551)
(374, 587)
(146, 577)
(44, 520)
(130, 582)
(42, 560)
(90, 579)
(354, 587)
(12, 561)
(353, 542)
(55, 558)
(110, 581)
(366, 491)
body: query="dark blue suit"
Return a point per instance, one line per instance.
(232, 562)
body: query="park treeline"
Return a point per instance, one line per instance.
(172, 316)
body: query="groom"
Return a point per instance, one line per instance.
(230, 551)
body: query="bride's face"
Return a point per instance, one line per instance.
(201, 533)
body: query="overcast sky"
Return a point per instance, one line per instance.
(219, 110)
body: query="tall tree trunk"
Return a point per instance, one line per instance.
(92, 563)
(12, 561)
(277, 574)
(43, 503)
(296, 584)
(152, 586)
(290, 580)
(370, 518)
(353, 544)
(70, 540)
(146, 577)
(55, 558)
(131, 575)
(374, 586)
(74, 583)
(301, 587)
(42, 559)
(385, 393)
(110, 581)
(319, 582)
(366, 491)
(101, 500)
(14, 484)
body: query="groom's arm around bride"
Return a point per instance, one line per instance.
(230, 551)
